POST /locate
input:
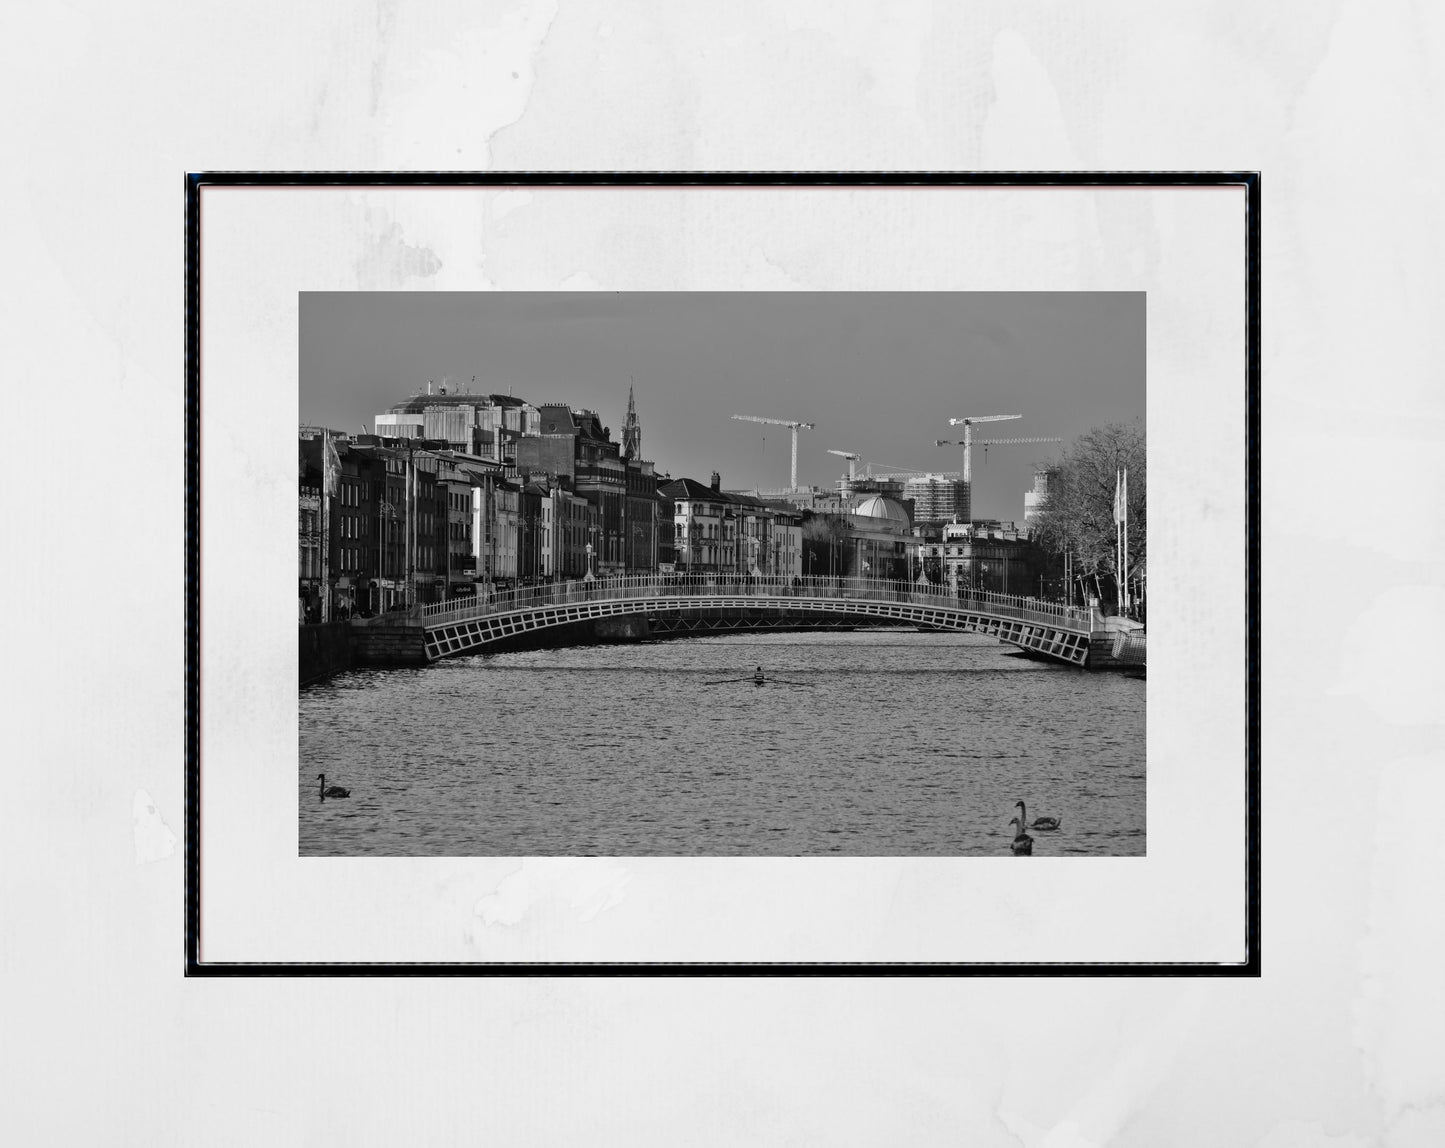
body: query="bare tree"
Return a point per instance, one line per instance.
(825, 538)
(1078, 516)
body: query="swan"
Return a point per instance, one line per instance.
(1038, 822)
(332, 791)
(1023, 844)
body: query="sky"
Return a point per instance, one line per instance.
(880, 374)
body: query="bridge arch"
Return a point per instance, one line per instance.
(1049, 629)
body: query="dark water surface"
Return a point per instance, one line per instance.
(896, 743)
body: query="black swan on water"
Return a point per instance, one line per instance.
(1023, 844)
(1038, 822)
(331, 791)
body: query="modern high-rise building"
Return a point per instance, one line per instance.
(938, 499)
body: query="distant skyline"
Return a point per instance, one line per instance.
(879, 373)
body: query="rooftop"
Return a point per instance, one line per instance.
(879, 507)
(416, 404)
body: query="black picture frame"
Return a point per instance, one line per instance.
(1248, 181)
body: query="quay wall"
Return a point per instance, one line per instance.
(1117, 650)
(390, 644)
(324, 650)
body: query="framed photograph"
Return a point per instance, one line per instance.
(725, 574)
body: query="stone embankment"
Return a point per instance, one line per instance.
(1119, 645)
(390, 643)
(324, 650)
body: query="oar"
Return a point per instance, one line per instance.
(753, 678)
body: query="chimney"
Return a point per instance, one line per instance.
(428, 386)
(716, 481)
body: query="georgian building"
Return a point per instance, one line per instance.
(787, 540)
(506, 512)
(572, 524)
(984, 555)
(309, 538)
(699, 515)
(728, 533)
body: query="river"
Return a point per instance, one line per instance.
(869, 743)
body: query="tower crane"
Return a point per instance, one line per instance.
(966, 443)
(891, 473)
(967, 439)
(795, 427)
(853, 461)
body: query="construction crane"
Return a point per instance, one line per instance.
(967, 439)
(893, 473)
(966, 443)
(853, 461)
(795, 426)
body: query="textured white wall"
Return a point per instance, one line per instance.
(106, 105)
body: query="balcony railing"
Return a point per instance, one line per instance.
(733, 586)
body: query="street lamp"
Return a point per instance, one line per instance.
(533, 524)
(386, 513)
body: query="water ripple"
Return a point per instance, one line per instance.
(893, 744)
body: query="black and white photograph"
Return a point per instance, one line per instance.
(704, 574)
(727, 574)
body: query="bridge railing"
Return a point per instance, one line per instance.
(484, 603)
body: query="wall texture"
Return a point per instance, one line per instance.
(1339, 1045)
(324, 650)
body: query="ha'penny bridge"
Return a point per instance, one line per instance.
(641, 606)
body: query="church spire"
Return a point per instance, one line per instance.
(631, 430)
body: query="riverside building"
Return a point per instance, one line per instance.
(573, 448)
(984, 555)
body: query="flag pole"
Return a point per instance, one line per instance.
(1119, 542)
(1124, 511)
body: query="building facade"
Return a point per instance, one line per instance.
(310, 584)
(575, 449)
(937, 498)
(986, 555)
(787, 540)
(699, 513)
(1035, 499)
(487, 426)
(881, 538)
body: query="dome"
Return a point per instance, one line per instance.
(879, 507)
